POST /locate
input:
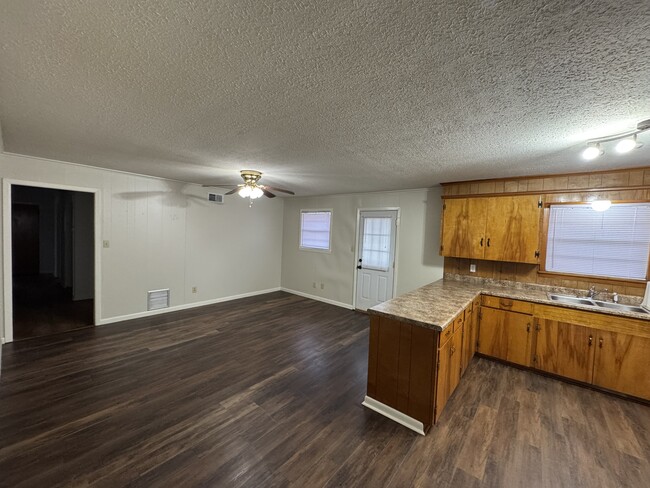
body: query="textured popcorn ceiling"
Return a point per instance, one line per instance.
(324, 96)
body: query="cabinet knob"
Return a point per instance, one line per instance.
(488, 242)
(481, 242)
(591, 340)
(600, 342)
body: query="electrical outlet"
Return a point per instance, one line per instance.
(472, 268)
(106, 244)
(194, 289)
(322, 286)
(313, 285)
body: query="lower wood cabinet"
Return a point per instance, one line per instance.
(470, 333)
(505, 335)
(564, 349)
(449, 369)
(622, 363)
(601, 350)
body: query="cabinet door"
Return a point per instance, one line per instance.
(442, 377)
(622, 363)
(463, 227)
(565, 349)
(455, 360)
(512, 229)
(505, 335)
(469, 334)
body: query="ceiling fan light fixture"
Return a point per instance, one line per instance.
(256, 192)
(245, 192)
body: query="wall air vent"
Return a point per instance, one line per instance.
(215, 197)
(157, 299)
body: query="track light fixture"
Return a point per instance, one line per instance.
(627, 141)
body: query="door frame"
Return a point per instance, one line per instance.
(356, 248)
(8, 326)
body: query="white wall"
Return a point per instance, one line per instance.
(164, 234)
(418, 260)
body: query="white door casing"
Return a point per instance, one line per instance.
(377, 234)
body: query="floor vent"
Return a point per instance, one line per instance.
(215, 197)
(157, 299)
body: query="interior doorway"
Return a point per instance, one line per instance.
(53, 260)
(376, 244)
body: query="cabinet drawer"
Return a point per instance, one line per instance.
(507, 304)
(458, 322)
(446, 334)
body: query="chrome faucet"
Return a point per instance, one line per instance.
(593, 293)
(615, 297)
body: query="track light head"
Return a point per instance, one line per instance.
(592, 152)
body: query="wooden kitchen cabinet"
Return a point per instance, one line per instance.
(504, 228)
(448, 369)
(505, 335)
(463, 227)
(470, 333)
(602, 350)
(564, 349)
(622, 363)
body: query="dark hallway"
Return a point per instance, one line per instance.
(52, 260)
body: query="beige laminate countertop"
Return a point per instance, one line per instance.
(437, 304)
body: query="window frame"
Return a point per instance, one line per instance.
(572, 276)
(315, 249)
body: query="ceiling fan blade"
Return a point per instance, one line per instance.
(226, 185)
(234, 190)
(268, 193)
(279, 189)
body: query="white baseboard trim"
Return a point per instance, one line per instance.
(185, 306)
(396, 415)
(320, 299)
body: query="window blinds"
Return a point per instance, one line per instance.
(315, 229)
(614, 243)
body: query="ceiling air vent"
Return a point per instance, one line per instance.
(215, 197)
(157, 299)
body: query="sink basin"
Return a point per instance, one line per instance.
(621, 307)
(595, 303)
(571, 300)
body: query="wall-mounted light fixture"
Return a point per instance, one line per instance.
(626, 141)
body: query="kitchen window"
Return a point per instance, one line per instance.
(614, 243)
(315, 230)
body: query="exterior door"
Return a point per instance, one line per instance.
(376, 262)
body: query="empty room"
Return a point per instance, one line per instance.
(325, 243)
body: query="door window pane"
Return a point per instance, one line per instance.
(375, 248)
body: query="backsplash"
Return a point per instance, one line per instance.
(563, 290)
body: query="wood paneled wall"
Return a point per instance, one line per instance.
(618, 185)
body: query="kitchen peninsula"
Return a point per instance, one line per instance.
(422, 342)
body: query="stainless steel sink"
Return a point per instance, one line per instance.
(621, 307)
(571, 300)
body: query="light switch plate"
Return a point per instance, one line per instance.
(472, 268)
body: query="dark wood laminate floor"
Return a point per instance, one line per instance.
(41, 307)
(267, 391)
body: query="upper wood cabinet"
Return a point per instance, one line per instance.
(496, 228)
